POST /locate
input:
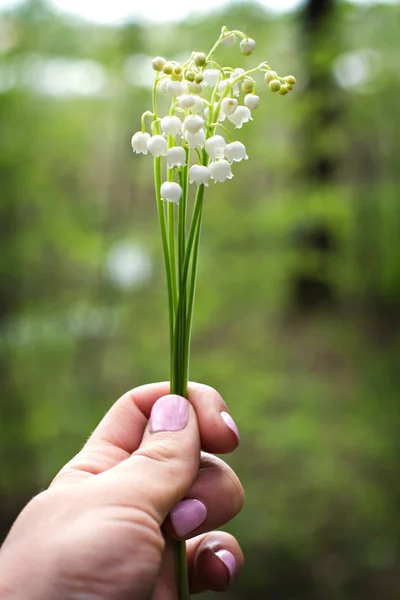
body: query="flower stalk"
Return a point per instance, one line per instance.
(189, 154)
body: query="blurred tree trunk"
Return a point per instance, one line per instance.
(17, 464)
(323, 109)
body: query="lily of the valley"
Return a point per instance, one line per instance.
(211, 77)
(195, 140)
(157, 145)
(139, 142)
(171, 125)
(220, 170)
(176, 157)
(215, 147)
(251, 101)
(241, 115)
(171, 192)
(236, 151)
(199, 175)
(193, 123)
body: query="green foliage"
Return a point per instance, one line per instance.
(299, 283)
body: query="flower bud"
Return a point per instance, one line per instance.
(190, 75)
(158, 63)
(199, 175)
(290, 79)
(199, 78)
(176, 76)
(171, 191)
(247, 46)
(248, 86)
(195, 88)
(229, 105)
(199, 59)
(252, 101)
(177, 69)
(157, 145)
(229, 40)
(270, 76)
(275, 85)
(168, 68)
(220, 170)
(176, 157)
(284, 89)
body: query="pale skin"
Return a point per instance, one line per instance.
(101, 530)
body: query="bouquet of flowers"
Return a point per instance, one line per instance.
(188, 131)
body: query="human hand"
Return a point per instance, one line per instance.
(97, 532)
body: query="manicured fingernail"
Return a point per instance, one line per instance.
(169, 413)
(187, 515)
(229, 561)
(231, 424)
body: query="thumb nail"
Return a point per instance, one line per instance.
(169, 413)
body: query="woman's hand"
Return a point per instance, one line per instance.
(97, 532)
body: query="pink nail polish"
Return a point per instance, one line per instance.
(231, 424)
(229, 561)
(187, 515)
(169, 413)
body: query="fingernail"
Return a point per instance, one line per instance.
(231, 424)
(188, 515)
(229, 561)
(169, 413)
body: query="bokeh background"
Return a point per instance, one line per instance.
(297, 318)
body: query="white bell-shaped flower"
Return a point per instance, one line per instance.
(221, 114)
(210, 77)
(176, 157)
(139, 142)
(196, 140)
(236, 73)
(247, 46)
(198, 104)
(157, 145)
(194, 87)
(251, 101)
(174, 88)
(171, 191)
(220, 170)
(241, 115)
(236, 151)
(229, 40)
(215, 147)
(193, 123)
(171, 125)
(187, 101)
(223, 85)
(229, 105)
(199, 175)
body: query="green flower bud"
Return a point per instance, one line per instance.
(290, 79)
(275, 85)
(190, 76)
(168, 68)
(178, 69)
(289, 86)
(284, 89)
(158, 63)
(176, 76)
(248, 86)
(199, 78)
(200, 59)
(270, 76)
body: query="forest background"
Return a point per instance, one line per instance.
(297, 318)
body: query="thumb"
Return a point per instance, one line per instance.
(158, 474)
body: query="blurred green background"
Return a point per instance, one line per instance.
(297, 318)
